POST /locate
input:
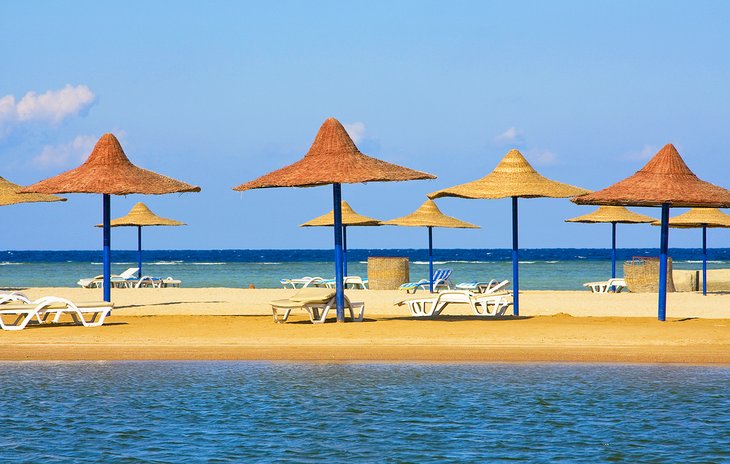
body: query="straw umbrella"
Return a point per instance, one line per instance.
(429, 215)
(513, 178)
(10, 195)
(141, 216)
(334, 159)
(108, 171)
(704, 218)
(614, 215)
(349, 218)
(664, 181)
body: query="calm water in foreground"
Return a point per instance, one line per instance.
(284, 412)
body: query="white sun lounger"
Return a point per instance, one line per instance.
(483, 287)
(494, 304)
(88, 314)
(608, 286)
(124, 280)
(303, 282)
(317, 302)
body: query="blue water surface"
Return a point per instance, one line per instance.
(169, 412)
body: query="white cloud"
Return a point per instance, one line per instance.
(512, 134)
(356, 130)
(66, 154)
(541, 157)
(644, 154)
(52, 106)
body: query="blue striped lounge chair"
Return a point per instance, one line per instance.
(440, 280)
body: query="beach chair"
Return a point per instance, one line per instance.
(303, 282)
(440, 280)
(88, 314)
(157, 282)
(483, 287)
(352, 282)
(609, 286)
(13, 297)
(124, 280)
(317, 302)
(481, 304)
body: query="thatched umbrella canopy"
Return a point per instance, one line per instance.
(664, 181)
(513, 178)
(108, 171)
(334, 159)
(429, 215)
(10, 195)
(141, 216)
(613, 215)
(349, 218)
(700, 218)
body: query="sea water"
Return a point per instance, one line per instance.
(540, 269)
(170, 412)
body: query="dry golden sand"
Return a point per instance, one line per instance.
(236, 324)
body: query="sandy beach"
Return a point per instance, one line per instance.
(226, 323)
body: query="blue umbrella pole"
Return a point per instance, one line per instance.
(107, 248)
(704, 260)
(430, 259)
(613, 250)
(339, 291)
(139, 251)
(663, 249)
(344, 250)
(515, 261)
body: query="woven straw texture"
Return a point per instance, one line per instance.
(9, 195)
(642, 275)
(109, 171)
(140, 215)
(429, 215)
(665, 179)
(513, 177)
(698, 217)
(349, 218)
(387, 273)
(617, 214)
(334, 159)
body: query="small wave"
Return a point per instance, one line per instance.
(552, 262)
(698, 261)
(8, 263)
(207, 264)
(270, 264)
(166, 263)
(426, 262)
(580, 257)
(528, 262)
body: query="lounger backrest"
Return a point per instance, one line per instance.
(313, 294)
(441, 274)
(129, 273)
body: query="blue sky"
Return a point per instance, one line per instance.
(218, 93)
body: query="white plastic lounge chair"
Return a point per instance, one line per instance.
(440, 280)
(483, 287)
(88, 314)
(355, 282)
(124, 280)
(157, 282)
(13, 297)
(481, 304)
(608, 286)
(317, 302)
(303, 282)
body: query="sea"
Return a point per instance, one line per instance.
(540, 269)
(241, 411)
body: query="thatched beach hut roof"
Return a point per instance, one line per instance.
(613, 214)
(333, 158)
(349, 218)
(665, 179)
(513, 177)
(109, 171)
(141, 216)
(429, 215)
(10, 195)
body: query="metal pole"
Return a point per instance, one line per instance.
(704, 260)
(663, 249)
(344, 250)
(339, 291)
(613, 250)
(107, 248)
(430, 259)
(515, 262)
(139, 251)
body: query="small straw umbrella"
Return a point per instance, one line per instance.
(704, 218)
(141, 216)
(349, 218)
(10, 195)
(614, 215)
(108, 171)
(664, 181)
(513, 178)
(334, 159)
(429, 215)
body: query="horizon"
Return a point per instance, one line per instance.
(218, 94)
